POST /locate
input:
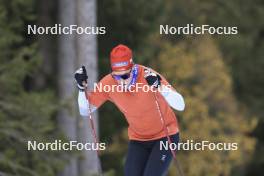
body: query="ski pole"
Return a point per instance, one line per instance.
(165, 129)
(93, 129)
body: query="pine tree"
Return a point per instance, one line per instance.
(196, 69)
(26, 113)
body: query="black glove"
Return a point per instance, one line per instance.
(153, 79)
(81, 77)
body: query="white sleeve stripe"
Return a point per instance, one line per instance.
(84, 104)
(173, 98)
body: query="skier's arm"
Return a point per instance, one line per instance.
(96, 99)
(173, 98)
(84, 105)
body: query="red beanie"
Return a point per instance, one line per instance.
(121, 58)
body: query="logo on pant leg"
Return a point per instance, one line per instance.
(163, 158)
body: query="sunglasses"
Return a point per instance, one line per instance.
(124, 76)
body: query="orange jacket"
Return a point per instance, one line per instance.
(139, 108)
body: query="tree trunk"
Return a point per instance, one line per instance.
(66, 67)
(46, 11)
(87, 55)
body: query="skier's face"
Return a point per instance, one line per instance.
(122, 77)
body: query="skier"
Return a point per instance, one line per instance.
(148, 113)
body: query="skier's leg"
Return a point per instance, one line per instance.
(159, 160)
(137, 158)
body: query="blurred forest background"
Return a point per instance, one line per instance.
(220, 76)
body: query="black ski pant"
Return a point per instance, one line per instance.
(146, 158)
